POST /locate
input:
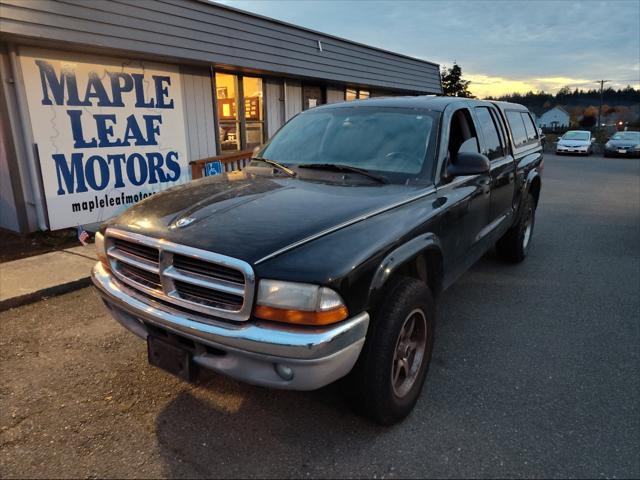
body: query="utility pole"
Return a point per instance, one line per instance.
(602, 82)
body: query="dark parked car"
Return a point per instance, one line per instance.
(623, 144)
(323, 257)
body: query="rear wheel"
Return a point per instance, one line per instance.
(388, 378)
(514, 245)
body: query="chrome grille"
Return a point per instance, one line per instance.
(188, 277)
(207, 269)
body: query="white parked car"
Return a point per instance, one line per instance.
(575, 141)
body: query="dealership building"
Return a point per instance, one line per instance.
(107, 102)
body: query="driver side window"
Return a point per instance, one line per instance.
(462, 134)
(462, 137)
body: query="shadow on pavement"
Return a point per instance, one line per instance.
(251, 431)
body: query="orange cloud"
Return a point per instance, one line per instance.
(485, 85)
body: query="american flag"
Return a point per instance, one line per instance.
(83, 236)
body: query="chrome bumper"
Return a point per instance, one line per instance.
(252, 351)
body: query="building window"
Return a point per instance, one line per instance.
(355, 94)
(350, 94)
(238, 131)
(228, 124)
(253, 111)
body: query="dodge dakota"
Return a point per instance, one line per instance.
(321, 259)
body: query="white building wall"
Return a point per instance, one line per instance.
(335, 94)
(274, 104)
(292, 99)
(198, 112)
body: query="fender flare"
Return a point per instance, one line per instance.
(532, 176)
(399, 256)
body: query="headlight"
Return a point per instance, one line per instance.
(637, 147)
(100, 250)
(607, 145)
(299, 303)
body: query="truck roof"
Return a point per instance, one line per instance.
(431, 102)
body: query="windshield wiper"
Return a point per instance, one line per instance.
(273, 163)
(338, 167)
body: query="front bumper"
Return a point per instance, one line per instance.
(249, 351)
(565, 149)
(622, 152)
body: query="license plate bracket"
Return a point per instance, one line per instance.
(169, 357)
(622, 150)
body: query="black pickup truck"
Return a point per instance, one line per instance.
(322, 258)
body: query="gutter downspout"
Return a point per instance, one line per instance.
(34, 178)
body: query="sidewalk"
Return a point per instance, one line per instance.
(30, 279)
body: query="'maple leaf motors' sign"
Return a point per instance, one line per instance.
(109, 134)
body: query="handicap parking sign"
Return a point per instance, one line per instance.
(213, 168)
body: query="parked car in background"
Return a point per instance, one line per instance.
(323, 257)
(625, 144)
(575, 141)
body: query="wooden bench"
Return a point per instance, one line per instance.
(230, 163)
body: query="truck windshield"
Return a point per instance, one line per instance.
(395, 143)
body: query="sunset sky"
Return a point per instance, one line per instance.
(502, 46)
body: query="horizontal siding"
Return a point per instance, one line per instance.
(193, 30)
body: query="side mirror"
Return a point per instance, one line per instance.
(469, 163)
(593, 140)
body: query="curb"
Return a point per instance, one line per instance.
(33, 297)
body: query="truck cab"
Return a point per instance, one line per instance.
(323, 258)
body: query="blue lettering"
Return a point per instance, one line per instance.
(133, 132)
(73, 177)
(152, 130)
(131, 169)
(50, 81)
(138, 79)
(118, 88)
(105, 131)
(95, 89)
(155, 167)
(173, 165)
(76, 131)
(90, 172)
(117, 161)
(162, 91)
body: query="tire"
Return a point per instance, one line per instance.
(387, 355)
(514, 245)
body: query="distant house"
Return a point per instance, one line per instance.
(557, 117)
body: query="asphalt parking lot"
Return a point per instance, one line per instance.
(535, 374)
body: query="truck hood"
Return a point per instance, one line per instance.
(250, 216)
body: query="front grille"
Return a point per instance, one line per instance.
(207, 269)
(189, 278)
(142, 251)
(138, 275)
(206, 296)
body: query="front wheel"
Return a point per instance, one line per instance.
(514, 245)
(390, 373)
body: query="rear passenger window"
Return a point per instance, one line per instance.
(529, 126)
(492, 145)
(518, 129)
